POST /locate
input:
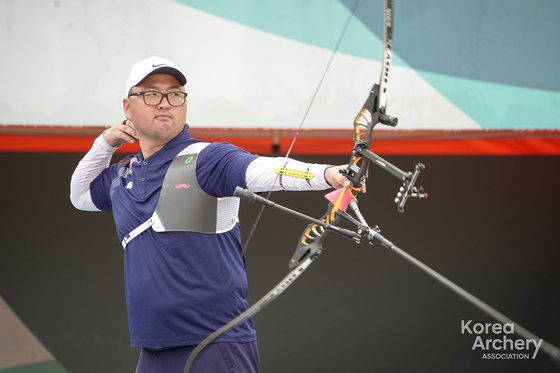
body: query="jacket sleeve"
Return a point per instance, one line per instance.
(91, 166)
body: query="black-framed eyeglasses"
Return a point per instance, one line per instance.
(154, 98)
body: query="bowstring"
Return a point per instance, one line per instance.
(335, 50)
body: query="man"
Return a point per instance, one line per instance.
(177, 221)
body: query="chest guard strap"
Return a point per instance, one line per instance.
(184, 206)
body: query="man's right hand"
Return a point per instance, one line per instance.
(120, 133)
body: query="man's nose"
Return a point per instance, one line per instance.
(164, 104)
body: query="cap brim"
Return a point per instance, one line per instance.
(171, 71)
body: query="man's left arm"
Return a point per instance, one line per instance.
(223, 166)
(279, 173)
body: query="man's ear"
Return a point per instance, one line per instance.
(126, 107)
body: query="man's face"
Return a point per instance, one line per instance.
(156, 125)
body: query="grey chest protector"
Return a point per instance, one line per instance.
(184, 206)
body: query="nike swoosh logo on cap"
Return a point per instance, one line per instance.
(161, 64)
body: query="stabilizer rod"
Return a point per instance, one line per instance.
(550, 350)
(248, 196)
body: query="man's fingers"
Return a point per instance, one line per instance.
(339, 180)
(123, 137)
(128, 138)
(129, 128)
(344, 182)
(129, 124)
(120, 133)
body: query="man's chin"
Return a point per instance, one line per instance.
(167, 130)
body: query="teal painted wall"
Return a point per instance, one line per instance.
(495, 60)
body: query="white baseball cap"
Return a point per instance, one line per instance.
(153, 65)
